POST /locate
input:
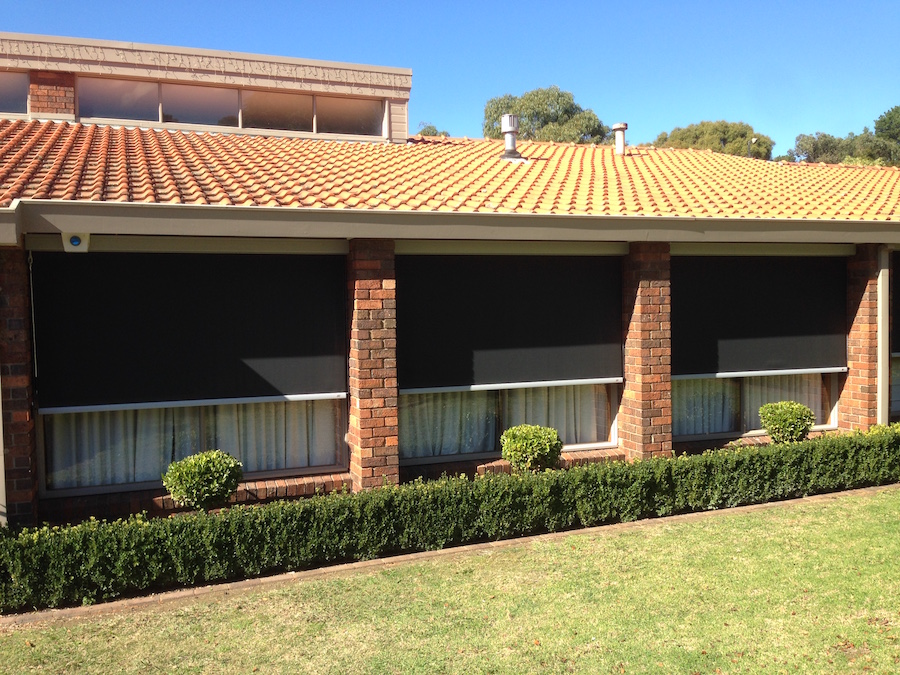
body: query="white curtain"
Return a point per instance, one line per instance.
(130, 446)
(117, 447)
(579, 413)
(447, 423)
(457, 423)
(705, 406)
(806, 389)
(277, 435)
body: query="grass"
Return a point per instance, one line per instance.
(810, 587)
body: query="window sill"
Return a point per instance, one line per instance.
(756, 433)
(567, 460)
(57, 509)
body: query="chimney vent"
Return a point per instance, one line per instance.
(619, 128)
(509, 125)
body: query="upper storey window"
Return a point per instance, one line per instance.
(219, 106)
(200, 105)
(348, 116)
(272, 110)
(120, 99)
(14, 92)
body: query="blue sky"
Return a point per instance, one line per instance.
(785, 66)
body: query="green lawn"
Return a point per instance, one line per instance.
(812, 587)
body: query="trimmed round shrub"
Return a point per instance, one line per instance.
(203, 481)
(529, 447)
(786, 421)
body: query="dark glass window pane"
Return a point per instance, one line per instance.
(349, 116)
(14, 92)
(119, 99)
(271, 110)
(200, 105)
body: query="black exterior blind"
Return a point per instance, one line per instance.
(735, 314)
(466, 320)
(121, 328)
(895, 301)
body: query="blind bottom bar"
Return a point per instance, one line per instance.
(59, 410)
(512, 385)
(761, 373)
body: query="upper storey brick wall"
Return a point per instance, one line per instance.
(51, 93)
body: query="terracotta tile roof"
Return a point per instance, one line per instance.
(63, 161)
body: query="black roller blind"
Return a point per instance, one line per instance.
(471, 320)
(895, 301)
(735, 314)
(120, 328)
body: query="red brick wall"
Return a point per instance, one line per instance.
(16, 387)
(51, 93)
(857, 404)
(374, 455)
(645, 414)
(157, 503)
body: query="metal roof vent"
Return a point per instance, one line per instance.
(509, 125)
(619, 129)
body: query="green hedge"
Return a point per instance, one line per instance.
(93, 561)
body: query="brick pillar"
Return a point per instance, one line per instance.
(19, 450)
(645, 413)
(51, 93)
(858, 402)
(374, 455)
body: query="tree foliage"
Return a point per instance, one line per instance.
(431, 130)
(887, 127)
(880, 148)
(545, 115)
(728, 137)
(866, 149)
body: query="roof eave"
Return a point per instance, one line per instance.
(127, 218)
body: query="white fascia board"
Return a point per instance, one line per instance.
(56, 216)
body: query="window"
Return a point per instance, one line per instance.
(118, 99)
(270, 110)
(145, 358)
(470, 422)
(214, 106)
(753, 330)
(895, 386)
(724, 407)
(488, 342)
(117, 447)
(364, 117)
(14, 92)
(200, 105)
